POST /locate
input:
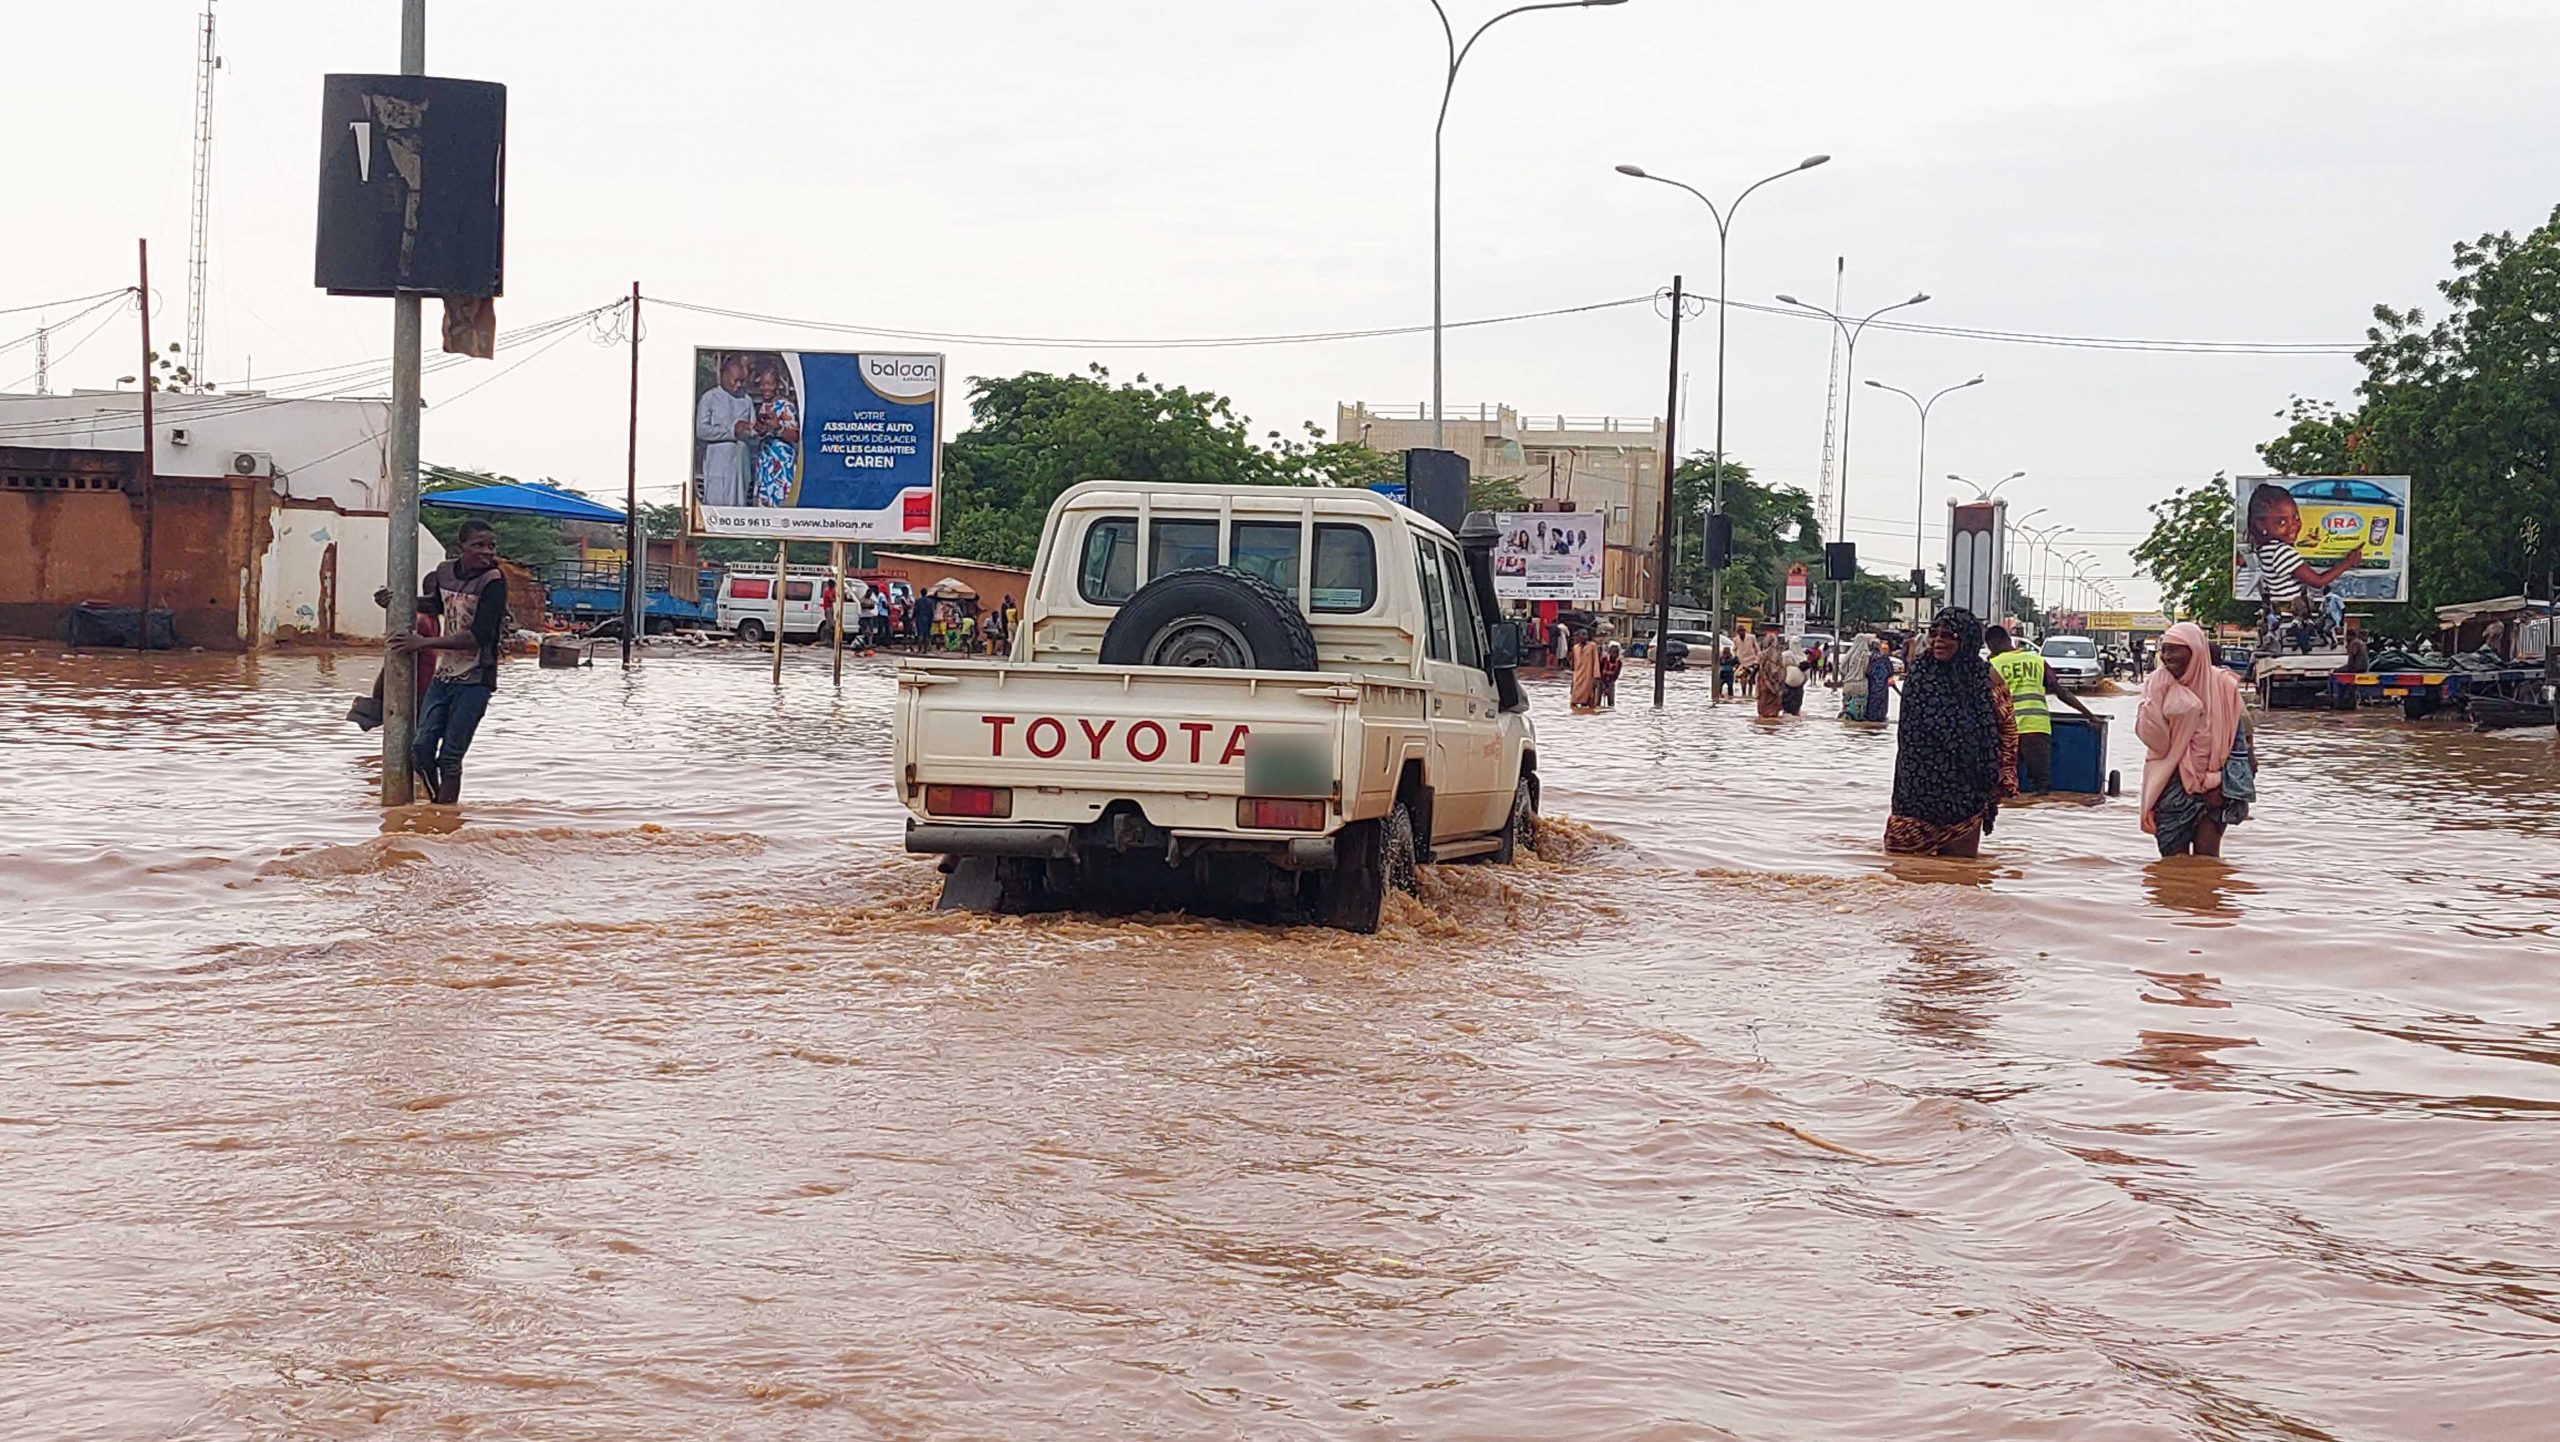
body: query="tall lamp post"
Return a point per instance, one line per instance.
(1849, 332)
(2036, 564)
(1449, 87)
(1724, 233)
(1920, 489)
(2008, 552)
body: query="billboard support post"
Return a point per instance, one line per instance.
(781, 588)
(835, 613)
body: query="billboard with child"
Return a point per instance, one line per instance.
(2300, 540)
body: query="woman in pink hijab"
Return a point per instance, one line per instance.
(2198, 776)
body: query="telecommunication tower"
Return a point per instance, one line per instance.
(207, 62)
(1831, 397)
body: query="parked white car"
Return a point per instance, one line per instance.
(2070, 661)
(1280, 696)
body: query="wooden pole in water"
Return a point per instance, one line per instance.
(1662, 535)
(635, 548)
(150, 454)
(835, 613)
(781, 584)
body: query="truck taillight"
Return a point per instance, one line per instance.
(1260, 813)
(993, 803)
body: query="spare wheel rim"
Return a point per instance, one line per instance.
(1200, 641)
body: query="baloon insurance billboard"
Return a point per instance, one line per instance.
(816, 445)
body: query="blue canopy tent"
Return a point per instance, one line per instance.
(521, 498)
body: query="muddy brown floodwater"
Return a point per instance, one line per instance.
(651, 1099)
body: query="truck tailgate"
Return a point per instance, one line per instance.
(1069, 740)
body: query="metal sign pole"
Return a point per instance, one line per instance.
(781, 584)
(835, 613)
(400, 691)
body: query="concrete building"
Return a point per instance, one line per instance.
(264, 519)
(1606, 463)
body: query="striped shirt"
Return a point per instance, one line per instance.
(2277, 563)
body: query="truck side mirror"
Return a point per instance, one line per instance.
(1506, 646)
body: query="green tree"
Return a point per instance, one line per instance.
(2189, 553)
(2468, 406)
(1033, 435)
(1773, 528)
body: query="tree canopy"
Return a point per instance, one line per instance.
(1033, 435)
(2467, 406)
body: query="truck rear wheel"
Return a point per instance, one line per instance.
(1370, 858)
(1210, 616)
(751, 631)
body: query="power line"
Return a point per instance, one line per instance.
(72, 300)
(1126, 343)
(68, 351)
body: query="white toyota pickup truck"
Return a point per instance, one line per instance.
(1274, 696)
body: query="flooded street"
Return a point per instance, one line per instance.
(655, 1101)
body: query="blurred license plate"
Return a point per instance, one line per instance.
(1287, 766)
(2395, 690)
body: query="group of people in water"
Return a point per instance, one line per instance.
(1961, 735)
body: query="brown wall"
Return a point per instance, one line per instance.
(992, 583)
(65, 539)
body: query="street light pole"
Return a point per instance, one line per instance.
(1715, 480)
(2008, 551)
(1849, 333)
(1920, 497)
(1449, 87)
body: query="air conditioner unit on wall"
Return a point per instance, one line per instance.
(252, 463)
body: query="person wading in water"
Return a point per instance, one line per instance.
(2198, 773)
(2023, 672)
(468, 595)
(1957, 754)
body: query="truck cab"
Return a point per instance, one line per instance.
(1281, 695)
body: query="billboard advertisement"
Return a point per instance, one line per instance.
(1548, 556)
(816, 445)
(2308, 537)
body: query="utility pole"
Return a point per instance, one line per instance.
(400, 691)
(1662, 533)
(635, 570)
(150, 453)
(200, 223)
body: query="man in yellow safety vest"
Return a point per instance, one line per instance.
(2023, 672)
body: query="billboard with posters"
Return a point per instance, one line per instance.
(2311, 536)
(816, 445)
(1548, 555)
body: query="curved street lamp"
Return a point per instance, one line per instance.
(1449, 87)
(1849, 331)
(1920, 499)
(1985, 495)
(1724, 233)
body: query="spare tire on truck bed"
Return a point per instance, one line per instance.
(1214, 616)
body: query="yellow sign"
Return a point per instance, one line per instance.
(2127, 621)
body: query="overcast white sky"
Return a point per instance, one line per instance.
(2258, 171)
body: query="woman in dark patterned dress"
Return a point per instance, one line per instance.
(1958, 747)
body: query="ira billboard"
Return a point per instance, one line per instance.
(1548, 555)
(816, 445)
(2305, 538)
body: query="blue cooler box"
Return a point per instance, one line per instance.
(2080, 755)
